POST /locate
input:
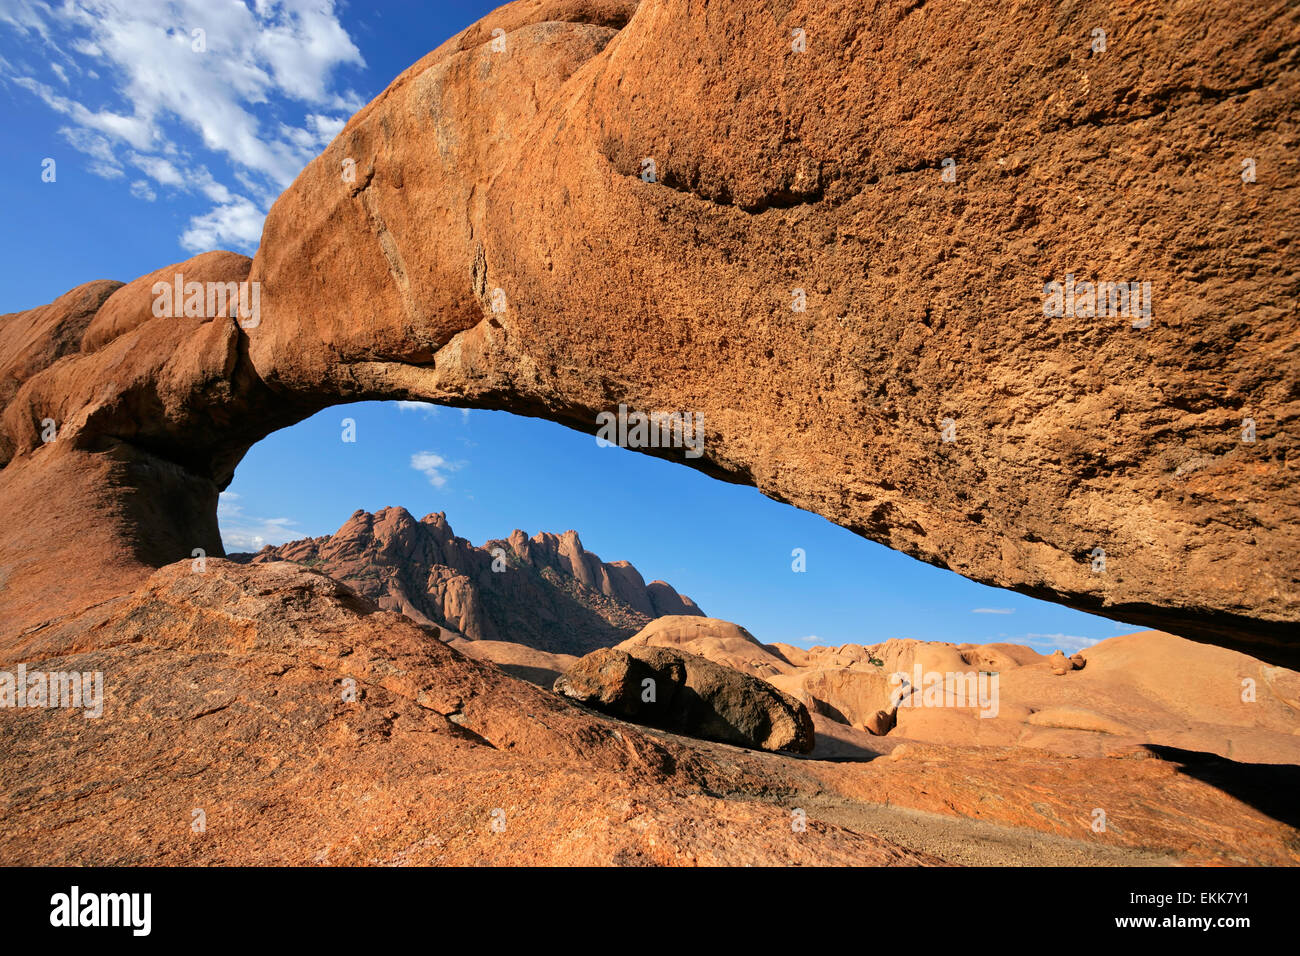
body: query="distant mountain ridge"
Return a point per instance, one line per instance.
(552, 593)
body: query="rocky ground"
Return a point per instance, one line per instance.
(1136, 689)
(227, 691)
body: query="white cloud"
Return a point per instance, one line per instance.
(434, 466)
(428, 409)
(261, 99)
(1051, 642)
(325, 127)
(162, 171)
(103, 161)
(26, 15)
(237, 224)
(240, 532)
(131, 129)
(140, 190)
(993, 610)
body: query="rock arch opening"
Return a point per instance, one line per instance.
(391, 484)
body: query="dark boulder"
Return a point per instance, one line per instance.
(662, 687)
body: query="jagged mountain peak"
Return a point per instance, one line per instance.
(549, 592)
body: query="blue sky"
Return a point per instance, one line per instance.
(167, 142)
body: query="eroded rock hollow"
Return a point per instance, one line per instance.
(746, 211)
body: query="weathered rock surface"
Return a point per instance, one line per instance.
(552, 594)
(132, 305)
(776, 170)
(36, 339)
(141, 446)
(666, 688)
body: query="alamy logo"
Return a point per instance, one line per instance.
(103, 909)
(57, 689)
(655, 430)
(946, 689)
(209, 300)
(1085, 299)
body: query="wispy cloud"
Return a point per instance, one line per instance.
(993, 610)
(428, 409)
(812, 640)
(173, 87)
(241, 532)
(1051, 642)
(434, 467)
